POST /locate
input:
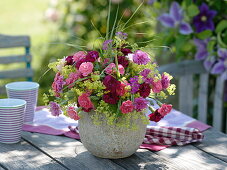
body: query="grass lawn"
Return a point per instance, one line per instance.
(26, 17)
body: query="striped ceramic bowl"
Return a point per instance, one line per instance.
(11, 119)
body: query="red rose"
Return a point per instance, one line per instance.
(144, 90)
(110, 98)
(127, 107)
(156, 116)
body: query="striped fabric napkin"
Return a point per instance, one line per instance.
(172, 135)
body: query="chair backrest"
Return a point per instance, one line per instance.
(7, 41)
(185, 71)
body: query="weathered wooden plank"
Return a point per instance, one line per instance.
(214, 143)
(15, 59)
(184, 68)
(190, 157)
(69, 152)
(203, 94)
(24, 156)
(186, 94)
(14, 41)
(17, 73)
(2, 90)
(218, 104)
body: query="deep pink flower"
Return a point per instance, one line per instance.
(165, 81)
(72, 113)
(58, 84)
(84, 101)
(69, 60)
(72, 78)
(86, 68)
(78, 56)
(111, 98)
(121, 90)
(127, 107)
(123, 61)
(92, 56)
(126, 51)
(145, 72)
(140, 103)
(55, 109)
(157, 86)
(111, 83)
(165, 109)
(141, 57)
(144, 90)
(156, 116)
(78, 63)
(111, 68)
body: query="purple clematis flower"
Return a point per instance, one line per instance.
(174, 19)
(150, 2)
(203, 54)
(204, 20)
(221, 66)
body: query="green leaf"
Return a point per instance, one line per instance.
(192, 10)
(221, 26)
(204, 35)
(210, 46)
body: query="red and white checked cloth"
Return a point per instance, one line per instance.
(172, 135)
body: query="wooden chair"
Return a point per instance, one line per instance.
(7, 41)
(185, 71)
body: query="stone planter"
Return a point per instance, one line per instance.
(109, 141)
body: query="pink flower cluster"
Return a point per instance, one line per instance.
(84, 101)
(58, 84)
(72, 113)
(160, 112)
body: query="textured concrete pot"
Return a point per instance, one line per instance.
(110, 142)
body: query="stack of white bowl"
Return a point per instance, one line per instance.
(27, 91)
(11, 119)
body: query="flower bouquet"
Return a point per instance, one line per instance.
(108, 91)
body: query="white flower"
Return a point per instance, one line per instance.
(61, 64)
(130, 56)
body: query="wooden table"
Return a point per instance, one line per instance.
(39, 151)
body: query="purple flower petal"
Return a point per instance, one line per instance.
(201, 54)
(224, 77)
(200, 43)
(167, 20)
(176, 12)
(209, 62)
(204, 7)
(222, 53)
(185, 28)
(218, 68)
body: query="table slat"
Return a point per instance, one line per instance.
(215, 143)
(190, 157)
(69, 152)
(24, 156)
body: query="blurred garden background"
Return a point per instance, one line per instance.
(174, 30)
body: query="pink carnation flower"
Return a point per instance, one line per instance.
(157, 86)
(86, 68)
(85, 102)
(127, 107)
(72, 113)
(58, 84)
(141, 58)
(72, 78)
(78, 56)
(165, 109)
(121, 90)
(111, 68)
